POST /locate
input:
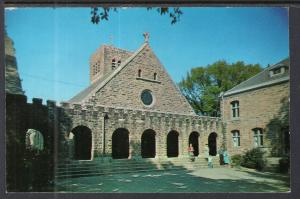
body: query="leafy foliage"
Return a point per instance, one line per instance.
(254, 159)
(100, 14)
(203, 85)
(236, 160)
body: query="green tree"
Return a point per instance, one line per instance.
(203, 85)
(99, 14)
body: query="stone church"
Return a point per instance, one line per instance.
(133, 109)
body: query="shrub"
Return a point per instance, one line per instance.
(284, 164)
(254, 159)
(236, 160)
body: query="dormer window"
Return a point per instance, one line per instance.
(277, 71)
(155, 76)
(139, 73)
(113, 63)
(235, 109)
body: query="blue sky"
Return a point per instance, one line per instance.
(53, 45)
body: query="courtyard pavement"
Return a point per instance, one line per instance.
(202, 180)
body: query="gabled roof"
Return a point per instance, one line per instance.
(98, 84)
(262, 79)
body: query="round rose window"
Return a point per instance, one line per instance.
(147, 97)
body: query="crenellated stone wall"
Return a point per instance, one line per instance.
(57, 122)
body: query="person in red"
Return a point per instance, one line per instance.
(191, 152)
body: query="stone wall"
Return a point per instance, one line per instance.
(265, 108)
(26, 170)
(56, 123)
(12, 78)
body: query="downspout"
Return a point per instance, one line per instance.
(223, 121)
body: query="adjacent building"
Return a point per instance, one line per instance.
(255, 112)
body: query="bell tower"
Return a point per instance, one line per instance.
(106, 59)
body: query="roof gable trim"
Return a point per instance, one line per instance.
(283, 79)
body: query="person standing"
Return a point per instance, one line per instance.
(226, 158)
(191, 152)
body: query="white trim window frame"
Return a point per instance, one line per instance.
(235, 109)
(236, 138)
(258, 137)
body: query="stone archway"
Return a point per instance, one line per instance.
(34, 140)
(148, 144)
(120, 144)
(82, 143)
(172, 144)
(212, 143)
(194, 140)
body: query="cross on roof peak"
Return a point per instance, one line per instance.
(146, 35)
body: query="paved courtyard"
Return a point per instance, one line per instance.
(203, 180)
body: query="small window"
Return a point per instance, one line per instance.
(258, 137)
(119, 62)
(236, 138)
(155, 76)
(235, 109)
(276, 71)
(113, 63)
(139, 73)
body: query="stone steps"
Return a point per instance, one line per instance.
(73, 169)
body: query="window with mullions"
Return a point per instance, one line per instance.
(258, 137)
(113, 63)
(235, 109)
(236, 138)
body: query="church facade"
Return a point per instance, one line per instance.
(133, 109)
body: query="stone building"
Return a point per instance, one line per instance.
(133, 109)
(255, 112)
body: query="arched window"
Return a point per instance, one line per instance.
(155, 76)
(119, 62)
(258, 137)
(235, 109)
(236, 138)
(139, 73)
(113, 63)
(34, 140)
